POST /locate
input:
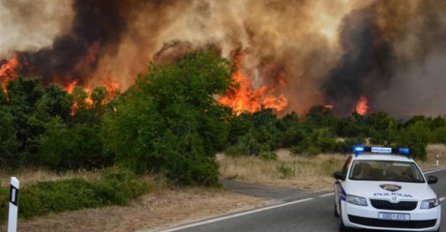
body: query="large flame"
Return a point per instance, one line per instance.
(363, 106)
(244, 98)
(7, 71)
(70, 87)
(111, 87)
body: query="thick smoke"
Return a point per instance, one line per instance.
(394, 54)
(367, 65)
(96, 25)
(327, 52)
(31, 25)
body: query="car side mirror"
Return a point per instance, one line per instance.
(432, 179)
(338, 176)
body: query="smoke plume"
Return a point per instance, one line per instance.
(310, 51)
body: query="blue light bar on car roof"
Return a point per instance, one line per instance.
(380, 150)
(358, 149)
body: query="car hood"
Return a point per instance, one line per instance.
(390, 190)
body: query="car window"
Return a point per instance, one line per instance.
(377, 170)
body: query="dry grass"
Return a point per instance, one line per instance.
(291, 171)
(432, 151)
(163, 207)
(27, 176)
(301, 172)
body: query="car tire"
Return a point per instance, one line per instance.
(342, 227)
(336, 214)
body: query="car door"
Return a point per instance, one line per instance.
(339, 190)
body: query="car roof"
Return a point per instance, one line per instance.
(387, 157)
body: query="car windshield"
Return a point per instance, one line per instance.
(377, 170)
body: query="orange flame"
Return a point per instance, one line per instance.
(112, 88)
(88, 100)
(7, 71)
(70, 87)
(363, 106)
(246, 99)
(328, 106)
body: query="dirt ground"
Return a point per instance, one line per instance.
(164, 207)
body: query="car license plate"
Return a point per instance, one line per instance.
(394, 216)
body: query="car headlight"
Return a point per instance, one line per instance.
(429, 204)
(361, 201)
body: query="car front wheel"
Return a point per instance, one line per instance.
(342, 227)
(336, 210)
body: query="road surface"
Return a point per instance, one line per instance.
(308, 214)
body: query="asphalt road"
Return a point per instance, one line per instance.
(308, 214)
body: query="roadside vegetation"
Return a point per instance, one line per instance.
(169, 125)
(300, 171)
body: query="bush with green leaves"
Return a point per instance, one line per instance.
(416, 137)
(284, 170)
(438, 135)
(318, 141)
(117, 187)
(76, 147)
(169, 121)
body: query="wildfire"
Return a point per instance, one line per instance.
(70, 87)
(328, 106)
(362, 107)
(245, 99)
(7, 71)
(112, 88)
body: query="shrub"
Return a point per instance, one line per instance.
(170, 122)
(76, 147)
(439, 135)
(416, 137)
(284, 170)
(116, 187)
(246, 145)
(268, 155)
(319, 141)
(4, 203)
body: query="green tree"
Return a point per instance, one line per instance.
(55, 102)
(438, 135)
(9, 144)
(23, 97)
(416, 137)
(76, 147)
(382, 128)
(319, 141)
(170, 123)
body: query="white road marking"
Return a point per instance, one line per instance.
(265, 209)
(326, 195)
(238, 215)
(435, 170)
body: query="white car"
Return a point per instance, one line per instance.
(383, 189)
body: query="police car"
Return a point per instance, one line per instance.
(382, 188)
